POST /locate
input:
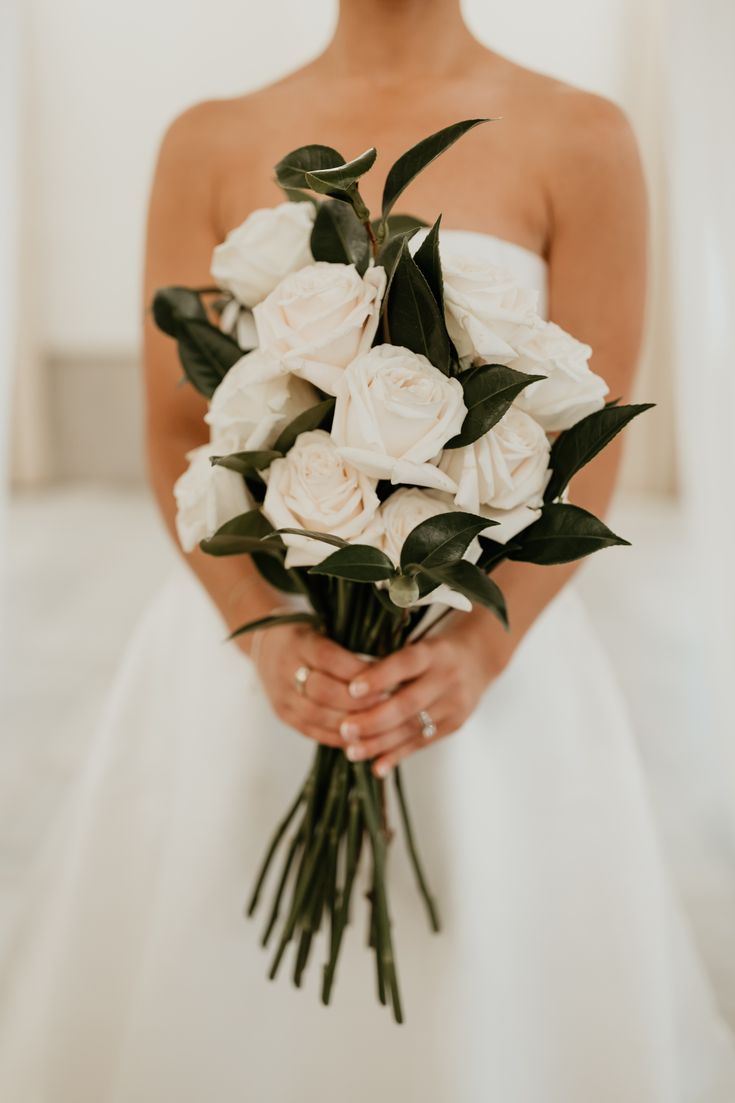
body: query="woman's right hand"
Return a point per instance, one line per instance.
(318, 711)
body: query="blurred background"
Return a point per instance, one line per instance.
(86, 90)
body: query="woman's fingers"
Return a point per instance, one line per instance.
(409, 730)
(384, 763)
(394, 711)
(323, 689)
(313, 720)
(319, 653)
(410, 662)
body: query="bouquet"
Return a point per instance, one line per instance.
(389, 421)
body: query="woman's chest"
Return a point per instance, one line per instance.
(490, 180)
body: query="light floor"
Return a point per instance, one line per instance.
(84, 560)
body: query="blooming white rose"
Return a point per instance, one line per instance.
(269, 244)
(254, 401)
(507, 469)
(238, 322)
(570, 391)
(397, 516)
(394, 413)
(487, 313)
(206, 496)
(319, 319)
(313, 487)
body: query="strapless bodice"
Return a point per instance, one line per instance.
(528, 268)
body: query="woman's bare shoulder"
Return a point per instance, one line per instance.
(214, 126)
(579, 136)
(564, 110)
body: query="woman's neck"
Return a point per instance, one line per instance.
(388, 40)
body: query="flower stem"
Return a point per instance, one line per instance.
(279, 833)
(384, 944)
(415, 860)
(373, 240)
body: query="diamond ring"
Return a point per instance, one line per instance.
(300, 678)
(428, 727)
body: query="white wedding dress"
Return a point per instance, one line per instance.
(564, 972)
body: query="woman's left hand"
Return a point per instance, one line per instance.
(443, 675)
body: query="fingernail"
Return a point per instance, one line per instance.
(348, 730)
(353, 752)
(381, 769)
(358, 689)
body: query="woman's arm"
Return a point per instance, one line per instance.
(181, 235)
(597, 278)
(180, 238)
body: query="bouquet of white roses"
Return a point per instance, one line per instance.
(387, 424)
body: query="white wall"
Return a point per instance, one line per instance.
(10, 106)
(108, 77)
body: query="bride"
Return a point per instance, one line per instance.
(564, 972)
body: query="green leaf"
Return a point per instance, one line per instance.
(493, 553)
(245, 463)
(342, 176)
(358, 562)
(562, 534)
(399, 224)
(441, 539)
(428, 260)
(414, 160)
(230, 544)
(412, 315)
(315, 417)
(350, 196)
(291, 170)
(296, 195)
(274, 621)
(389, 253)
(243, 535)
(429, 263)
(206, 354)
(489, 391)
(339, 237)
(467, 579)
(274, 572)
(173, 304)
(575, 447)
(325, 537)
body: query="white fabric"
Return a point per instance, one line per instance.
(564, 973)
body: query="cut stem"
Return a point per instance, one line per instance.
(279, 833)
(413, 852)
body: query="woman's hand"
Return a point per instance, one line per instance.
(444, 676)
(319, 711)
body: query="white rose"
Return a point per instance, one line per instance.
(313, 487)
(269, 244)
(505, 469)
(487, 313)
(207, 496)
(238, 322)
(570, 391)
(394, 413)
(397, 516)
(254, 401)
(319, 319)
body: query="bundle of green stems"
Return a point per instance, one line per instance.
(339, 813)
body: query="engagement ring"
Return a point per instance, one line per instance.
(428, 727)
(300, 678)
